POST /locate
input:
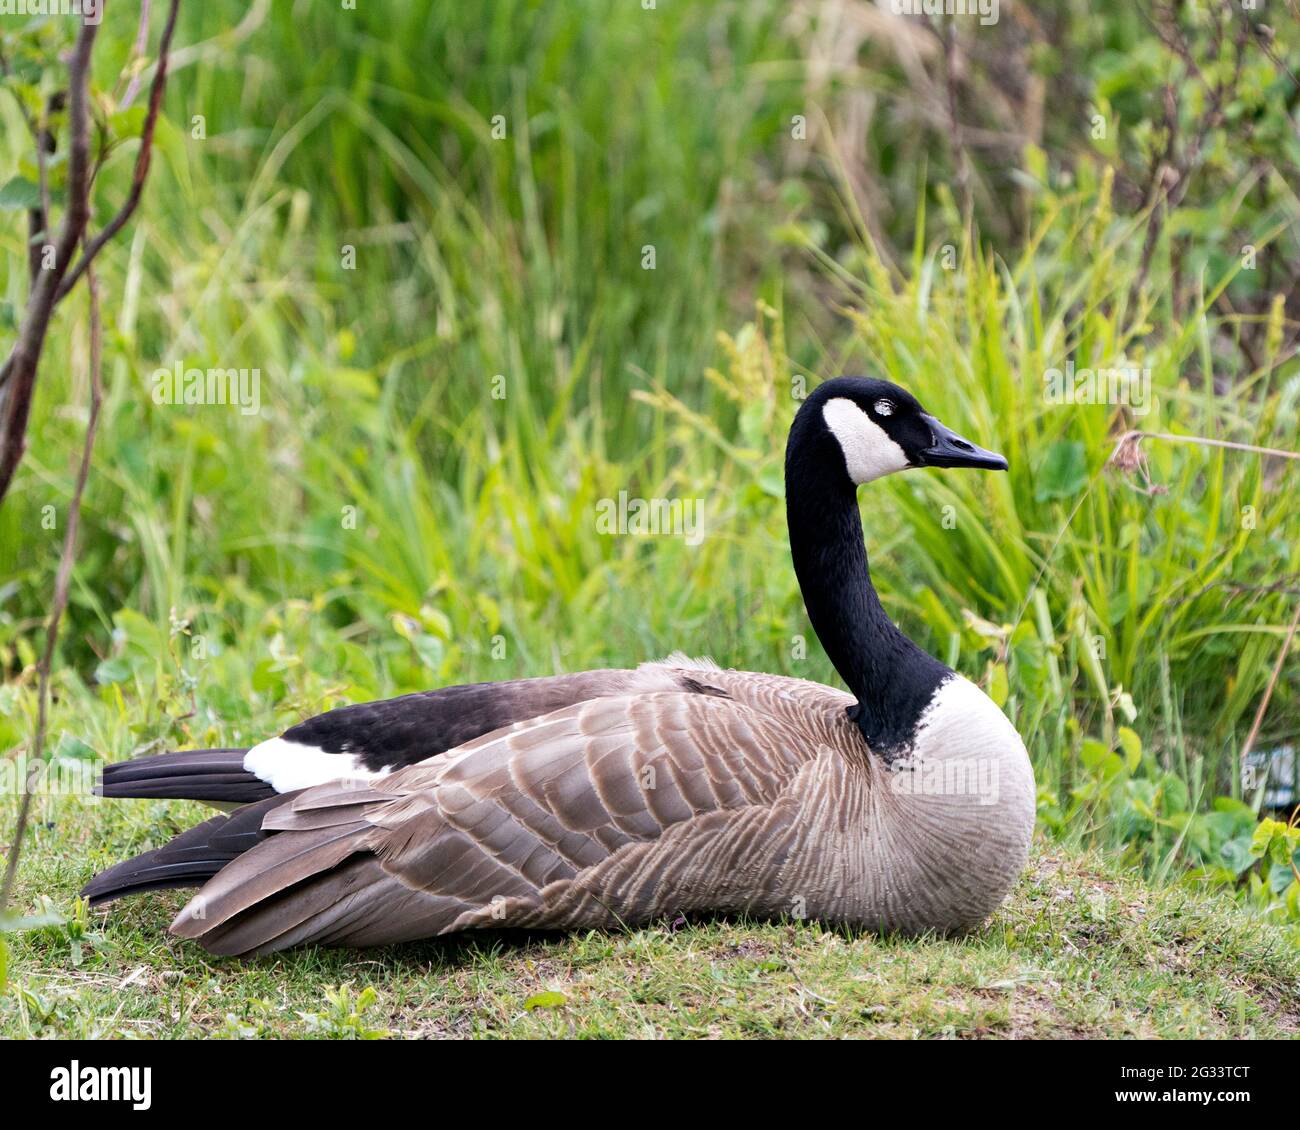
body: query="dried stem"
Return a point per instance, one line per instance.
(1126, 446)
(1272, 682)
(142, 160)
(62, 583)
(141, 43)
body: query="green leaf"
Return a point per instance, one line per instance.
(999, 689)
(41, 921)
(139, 632)
(1280, 878)
(1270, 840)
(1105, 765)
(110, 671)
(1236, 808)
(1236, 855)
(1131, 745)
(268, 678)
(19, 194)
(436, 622)
(1093, 753)
(128, 123)
(431, 651)
(1063, 472)
(545, 1000)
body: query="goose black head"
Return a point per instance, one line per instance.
(876, 428)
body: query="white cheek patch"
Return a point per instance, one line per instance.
(286, 766)
(869, 453)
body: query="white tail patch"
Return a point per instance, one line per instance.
(287, 766)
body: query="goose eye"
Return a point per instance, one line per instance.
(884, 407)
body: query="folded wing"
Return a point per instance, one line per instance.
(616, 809)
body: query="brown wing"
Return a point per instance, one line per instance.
(613, 810)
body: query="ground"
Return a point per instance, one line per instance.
(1081, 949)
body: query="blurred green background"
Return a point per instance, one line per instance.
(496, 263)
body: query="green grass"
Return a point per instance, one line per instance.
(1082, 949)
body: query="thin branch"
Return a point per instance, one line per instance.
(18, 373)
(1272, 682)
(1127, 444)
(62, 584)
(20, 370)
(953, 65)
(137, 52)
(142, 160)
(39, 217)
(1285, 587)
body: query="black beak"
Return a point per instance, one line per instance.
(948, 449)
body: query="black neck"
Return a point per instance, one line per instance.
(892, 679)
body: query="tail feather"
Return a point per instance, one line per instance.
(213, 775)
(313, 879)
(274, 875)
(301, 912)
(278, 864)
(189, 860)
(354, 902)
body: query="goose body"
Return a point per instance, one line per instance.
(615, 797)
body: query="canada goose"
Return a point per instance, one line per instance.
(619, 796)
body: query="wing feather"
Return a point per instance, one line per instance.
(606, 811)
